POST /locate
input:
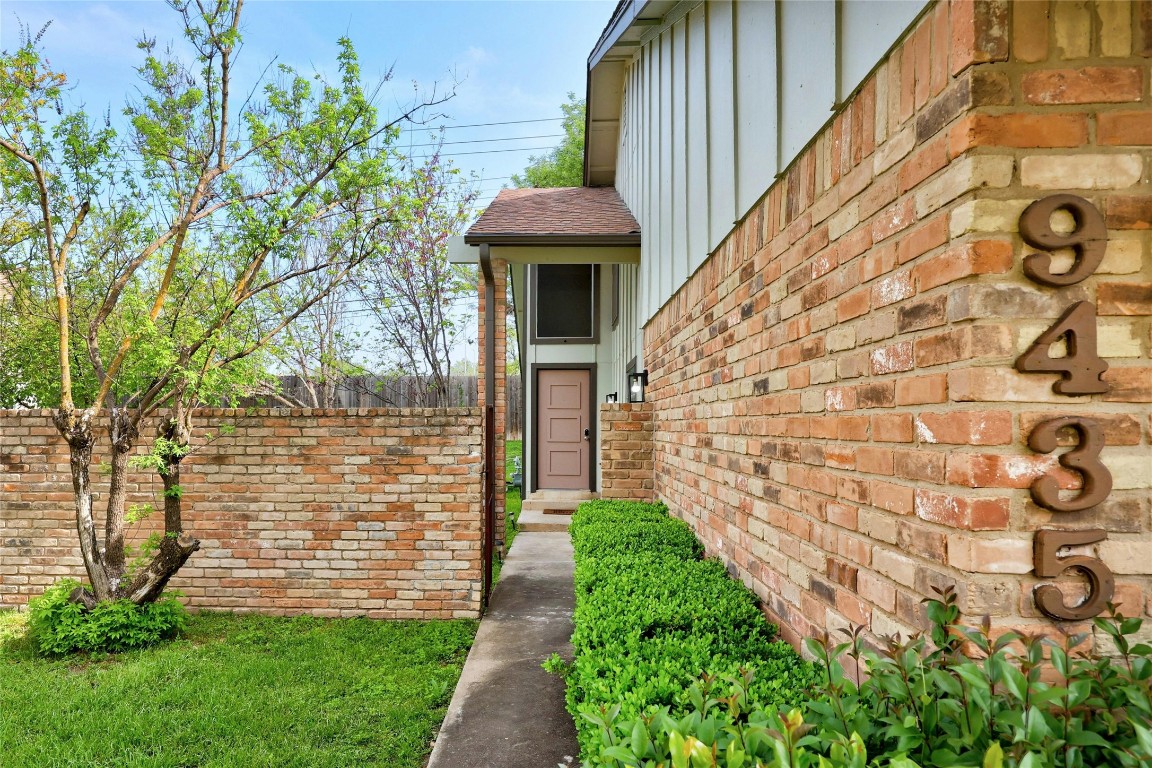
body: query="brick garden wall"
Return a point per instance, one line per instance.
(860, 435)
(331, 513)
(626, 460)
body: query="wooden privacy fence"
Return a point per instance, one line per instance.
(402, 392)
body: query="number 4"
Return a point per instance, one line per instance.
(1082, 367)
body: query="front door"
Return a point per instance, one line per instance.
(563, 429)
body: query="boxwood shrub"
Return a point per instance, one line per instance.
(652, 618)
(605, 528)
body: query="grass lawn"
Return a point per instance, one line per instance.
(512, 498)
(513, 449)
(236, 691)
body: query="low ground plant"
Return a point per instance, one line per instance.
(513, 499)
(58, 625)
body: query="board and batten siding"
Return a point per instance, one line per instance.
(718, 100)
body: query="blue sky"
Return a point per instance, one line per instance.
(510, 61)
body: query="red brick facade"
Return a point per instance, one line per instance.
(323, 512)
(626, 460)
(836, 408)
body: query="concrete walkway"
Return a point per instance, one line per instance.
(507, 712)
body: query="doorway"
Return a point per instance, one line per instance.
(564, 430)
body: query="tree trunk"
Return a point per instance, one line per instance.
(76, 427)
(105, 567)
(150, 583)
(176, 546)
(173, 523)
(123, 433)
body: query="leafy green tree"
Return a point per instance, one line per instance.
(156, 267)
(406, 286)
(411, 288)
(318, 347)
(564, 165)
(512, 350)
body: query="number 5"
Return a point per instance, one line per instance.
(1049, 564)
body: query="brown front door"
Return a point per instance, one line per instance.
(563, 429)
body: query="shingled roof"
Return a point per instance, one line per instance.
(557, 216)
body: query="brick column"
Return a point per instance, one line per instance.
(500, 275)
(626, 461)
(1071, 114)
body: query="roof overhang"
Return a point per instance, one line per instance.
(602, 123)
(555, 251)
(632, 22)
(558, 225)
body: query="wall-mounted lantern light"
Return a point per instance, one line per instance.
(611, 398)
(636, 384)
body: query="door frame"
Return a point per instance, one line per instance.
(593, 420)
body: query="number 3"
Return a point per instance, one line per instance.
(1085, 459)
(1049, 564)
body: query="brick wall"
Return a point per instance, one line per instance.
(626, 461)
(332, 513)
(868, 439)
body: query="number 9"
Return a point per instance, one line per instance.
(1088, 239)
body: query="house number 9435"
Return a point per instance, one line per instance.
(1081, 372)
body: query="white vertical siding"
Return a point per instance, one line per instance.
(865, 35)
(807, 67)
(662, 113)
(721, 126)
(721, 99)
(651, 203)
(624, 337)
(695, 148)
(679, 185)
(756, 125)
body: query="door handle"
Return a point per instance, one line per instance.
(587, 433)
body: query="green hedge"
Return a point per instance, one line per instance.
(652, 618)
(676, 668)
(606, 528)
(1016, 702)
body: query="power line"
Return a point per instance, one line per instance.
(494, 151)
(488, 141)
(124, 144)
(136, 161)
(485, 125)
(480, 180)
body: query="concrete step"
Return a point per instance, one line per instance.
(535, 521)
(556, 502)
